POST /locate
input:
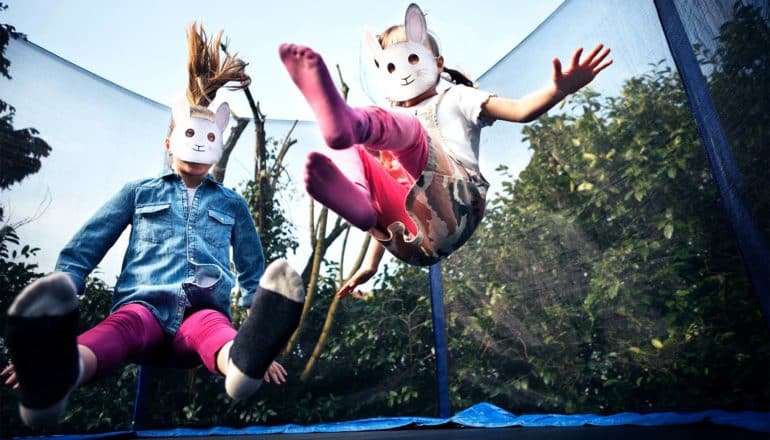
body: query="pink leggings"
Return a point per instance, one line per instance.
(133, 335)
(400, 134)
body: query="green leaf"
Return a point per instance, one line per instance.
(585, 186)
(668, 231)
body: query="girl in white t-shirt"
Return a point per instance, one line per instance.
(409, 175)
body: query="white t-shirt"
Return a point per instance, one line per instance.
(190, 195)
(460, 121)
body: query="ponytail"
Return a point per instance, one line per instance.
(458, 78)
(207, 72)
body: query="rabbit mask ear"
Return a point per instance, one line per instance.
(415, 25)
(197, 133)
(409, 68)
(180, 110)
(221, 116)
(372, 43)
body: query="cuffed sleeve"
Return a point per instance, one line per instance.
(470, 102)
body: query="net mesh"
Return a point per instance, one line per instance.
(605, 277)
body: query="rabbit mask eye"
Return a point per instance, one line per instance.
(211, 137)
(407, 70)
(189, 132)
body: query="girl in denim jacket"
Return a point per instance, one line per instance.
(171, 302)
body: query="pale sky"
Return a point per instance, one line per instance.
(140, 44)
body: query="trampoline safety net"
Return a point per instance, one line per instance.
(605, 278)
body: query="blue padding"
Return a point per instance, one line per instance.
(486, 415)
(482, 415)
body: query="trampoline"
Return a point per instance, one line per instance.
(670, 38)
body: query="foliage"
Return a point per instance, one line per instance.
(277, 232)
(740, 80)
(20, 149)
(20, 153)
(606, 278)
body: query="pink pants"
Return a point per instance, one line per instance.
(401, 135)
(133, 335)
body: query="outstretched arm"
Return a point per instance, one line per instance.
(90, 244)
(530, 107)
(366, 272)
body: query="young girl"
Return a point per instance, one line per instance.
(410, 175)
(172, 299)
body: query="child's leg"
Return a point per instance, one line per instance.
(342, 125)
(273, 317)
(400, 133)
(358, 173)
(205, 332)
(337, 181)
(127, 335)
(42, 324)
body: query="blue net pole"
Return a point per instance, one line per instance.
(719, 153)
(439, 339)
(140, 399)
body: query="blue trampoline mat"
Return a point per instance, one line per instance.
(482, 415)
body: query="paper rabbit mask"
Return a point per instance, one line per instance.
(407, 69)
(197, 137)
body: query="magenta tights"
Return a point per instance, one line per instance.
(133, 335)
(346, 178)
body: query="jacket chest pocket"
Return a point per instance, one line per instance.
(152, 222)
(219, 228)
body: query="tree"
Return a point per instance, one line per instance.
(20, 149)
(606, 278)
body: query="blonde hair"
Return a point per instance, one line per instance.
(207, 72)
(397, 34)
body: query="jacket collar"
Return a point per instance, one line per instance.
(167, 173)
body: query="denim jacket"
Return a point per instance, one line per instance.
(178, 256)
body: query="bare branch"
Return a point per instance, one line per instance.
(344, 89)
(312, 284)
(331, 313)
(220, 168)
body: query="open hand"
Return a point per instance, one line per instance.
(10, 372)
(580, 72)
(275, 374)
(360, 277)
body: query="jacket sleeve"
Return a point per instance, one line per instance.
(247, 254)
(89, 245)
